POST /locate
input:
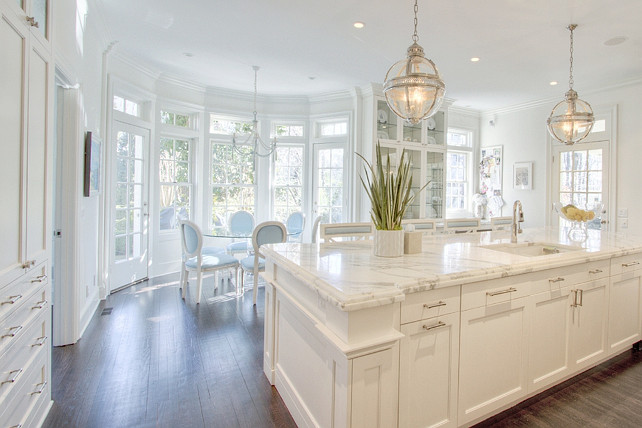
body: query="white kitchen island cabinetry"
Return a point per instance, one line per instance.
(446, 337)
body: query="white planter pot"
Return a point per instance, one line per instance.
(388, 243)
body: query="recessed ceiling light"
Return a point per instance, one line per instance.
(359, 24)
(188, 54)
(615, 41)
(311, 77)
(474, 59)
(553, 83)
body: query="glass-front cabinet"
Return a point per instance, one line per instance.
(35, 14)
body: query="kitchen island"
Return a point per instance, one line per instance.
(448, 337)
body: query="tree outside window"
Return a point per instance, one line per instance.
(458, 171)
(287, 192)
(175, 181)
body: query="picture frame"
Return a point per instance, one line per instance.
(93, 161)
(523, 175)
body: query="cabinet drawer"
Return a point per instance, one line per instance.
(626, 263)
(17, 361)
(31, 392)
(14, 326)
(555, 279)
(13, 295)
(428, 304)
(486, 293)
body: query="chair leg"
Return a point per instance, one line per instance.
(256, 278)
(199, 285)
(184, 278)
(239, 291)
(241, 279)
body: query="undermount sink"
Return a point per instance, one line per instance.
(531, 249)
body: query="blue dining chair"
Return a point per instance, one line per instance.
(194, 260)
(295, 225)
(241, 223)
(269, 232)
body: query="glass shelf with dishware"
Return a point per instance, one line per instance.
(389, 126)
(386, 122)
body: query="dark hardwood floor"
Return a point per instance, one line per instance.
(159, 361)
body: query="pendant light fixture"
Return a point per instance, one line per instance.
(571, 119)
(413, 88)
(254, 140)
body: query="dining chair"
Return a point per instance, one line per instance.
(268, 232)
(194, 260)
(295, 225)
(421, 224)
(501, 223)
(330, 232)
(315, 228)
(240, 223)
(461, 225)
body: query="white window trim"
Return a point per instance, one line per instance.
(470, 179)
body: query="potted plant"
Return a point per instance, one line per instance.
(390, 195)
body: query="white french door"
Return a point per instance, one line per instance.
(329, 178)
(130, 205)
(581, 177)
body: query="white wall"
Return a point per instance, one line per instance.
(523, 135)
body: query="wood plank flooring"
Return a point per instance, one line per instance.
(159, 361)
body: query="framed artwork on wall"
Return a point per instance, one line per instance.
(523, 175)
(91, 177)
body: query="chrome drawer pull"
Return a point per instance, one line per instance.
(497, 293)
(558, 279)
(39, 278)
(430, 327)
(15, 373)
(434, 305)
(12, 299)
(596, 271)
(581, 297)
(11, 333)
(41, 304)
(32, 21)
(40, 341)
(41, 388)
(16, 426)
(630, 264)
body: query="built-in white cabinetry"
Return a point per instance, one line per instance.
(428, 369)
(26, 123)
(625, 302)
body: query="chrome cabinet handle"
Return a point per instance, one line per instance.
(574, 304)
(40, 278)
(15, 374)
(497, 293)
(41, 388)
(579, 292)
(28, 264)
(581, 297)
(596, 271)
(12, 331)
(558, 279)
(40, 341)
(41, 304)
(12, 299)
(630, 264)
(434, 305)
(32, 21)
(430, 327)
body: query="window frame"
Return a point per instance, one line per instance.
(192, 144)
(289, 144)
(469, 179)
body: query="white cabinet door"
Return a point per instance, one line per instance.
(549, 355)
(625, 307)
(589, 316)
(493, 358)
(428, 374)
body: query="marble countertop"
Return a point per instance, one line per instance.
(349, 276)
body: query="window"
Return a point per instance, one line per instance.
(228, 127)
(287, 192)
(126, 106)
(175, 181)
(281, 130)
(458, 170)
(233, 180)
(175, 119)
(329, 179)
(331, 129)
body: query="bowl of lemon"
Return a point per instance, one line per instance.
(579, 217)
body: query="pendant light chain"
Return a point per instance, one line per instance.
(415, 37)
(570, 79)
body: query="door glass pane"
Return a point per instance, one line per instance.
(330, 184)
(39, 12)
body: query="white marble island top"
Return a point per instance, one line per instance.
(349, 276)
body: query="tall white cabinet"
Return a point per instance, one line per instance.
(26, 121)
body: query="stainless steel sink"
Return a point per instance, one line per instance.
(531, 249)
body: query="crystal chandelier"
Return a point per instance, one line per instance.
(259, 147)
(413, 88)
(571, 119)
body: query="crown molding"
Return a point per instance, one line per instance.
(128, 61)
(181, 83)
(331, 96)
(465, 111)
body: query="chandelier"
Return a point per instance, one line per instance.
(571, 119)
(259, 147)
(413, 88)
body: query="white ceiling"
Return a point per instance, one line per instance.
(523, 44)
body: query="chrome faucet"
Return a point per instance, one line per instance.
(518, 217)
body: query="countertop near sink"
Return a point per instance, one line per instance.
(348, 275)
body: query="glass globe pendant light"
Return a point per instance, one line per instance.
(413, 88)
(571, 119)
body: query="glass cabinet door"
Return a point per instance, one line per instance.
(435, 190)
(386, 122)
(412, 133)
(435, 134)
(414, 156)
